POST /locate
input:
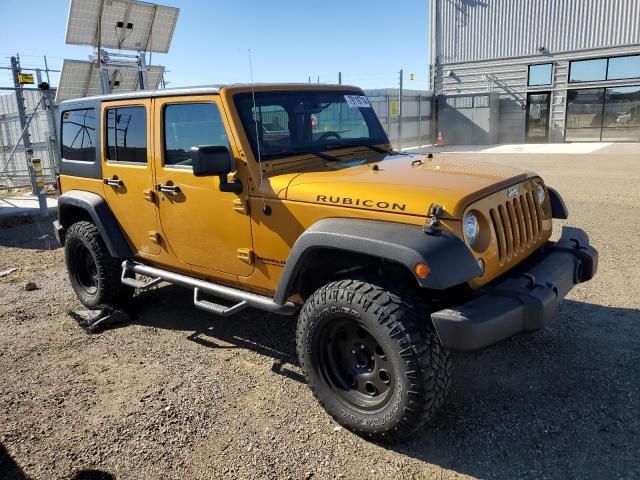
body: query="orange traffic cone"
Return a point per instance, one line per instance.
(440, 140)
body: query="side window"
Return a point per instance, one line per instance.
(79, 135)
(127, 134)
(190, 124)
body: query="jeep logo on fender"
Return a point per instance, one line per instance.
(358, 202)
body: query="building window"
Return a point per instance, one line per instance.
(79, 135)
(191, 124)
(540, 74)
(127, 134)
(584, 115)
(588, 70)
(481, 101)
(464, 102)
(599, 69)
(603, 114)
(621, 122)
(624, 67)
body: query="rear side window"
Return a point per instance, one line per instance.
(191, 124)
(79, 135)
(127, 134)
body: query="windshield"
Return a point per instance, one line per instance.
(297, 122)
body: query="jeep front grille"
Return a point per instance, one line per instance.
(517, 224)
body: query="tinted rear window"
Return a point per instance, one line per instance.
(127, 134)
(79, 135)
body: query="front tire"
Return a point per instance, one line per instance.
(93, 272)
(373, 365)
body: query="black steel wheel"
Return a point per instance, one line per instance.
(354, 364)
(370, 359)
(93, 272)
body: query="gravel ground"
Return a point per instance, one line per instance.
(182, 394)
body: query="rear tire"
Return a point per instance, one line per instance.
(370, 361)
(93, 272)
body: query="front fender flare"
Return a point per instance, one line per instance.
(558, 207)
(450, 261)
(101, 215)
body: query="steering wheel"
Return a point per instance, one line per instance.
(326, 135)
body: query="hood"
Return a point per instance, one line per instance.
(405, 184)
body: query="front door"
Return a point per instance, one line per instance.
(537, 123)
(203, 226)
(127, 172)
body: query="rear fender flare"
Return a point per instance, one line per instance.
(101, 215)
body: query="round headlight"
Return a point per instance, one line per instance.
(540, 193)
(471, 227)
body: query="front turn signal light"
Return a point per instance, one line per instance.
(422, 270)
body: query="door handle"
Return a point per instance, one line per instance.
(113, 182)
(173, 189)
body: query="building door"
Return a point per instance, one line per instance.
(537, 122)
(203, 226)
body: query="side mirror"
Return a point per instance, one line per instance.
(211, 160)
(215, 160)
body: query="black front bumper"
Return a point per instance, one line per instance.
(522, 300)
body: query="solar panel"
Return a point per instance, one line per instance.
(124, 24)
(82, 79)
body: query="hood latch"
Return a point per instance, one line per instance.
(435, 214)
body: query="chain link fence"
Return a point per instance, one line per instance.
(14, 170)
(413, 129)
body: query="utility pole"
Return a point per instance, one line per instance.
(400, 113)
(22, 115)
(339, 78)
(22, 111)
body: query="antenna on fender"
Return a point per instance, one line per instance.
(265, 208)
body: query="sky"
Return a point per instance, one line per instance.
(290, 40)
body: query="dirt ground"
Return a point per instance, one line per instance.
(183, 394)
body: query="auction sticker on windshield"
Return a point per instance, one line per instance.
(357, 101)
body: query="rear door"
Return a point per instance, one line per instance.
(203, 226)
(127, 169)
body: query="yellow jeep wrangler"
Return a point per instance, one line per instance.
(289, 198)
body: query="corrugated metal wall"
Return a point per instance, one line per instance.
(472, 30)
(508, 77)
(487, 45)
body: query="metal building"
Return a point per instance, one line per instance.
(563, 70)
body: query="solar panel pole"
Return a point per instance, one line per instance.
(142, 72)
(103, 58)
(22, 111)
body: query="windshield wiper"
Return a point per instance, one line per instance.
(375, 148)
(326, 156)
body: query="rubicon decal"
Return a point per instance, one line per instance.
(359, 202)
